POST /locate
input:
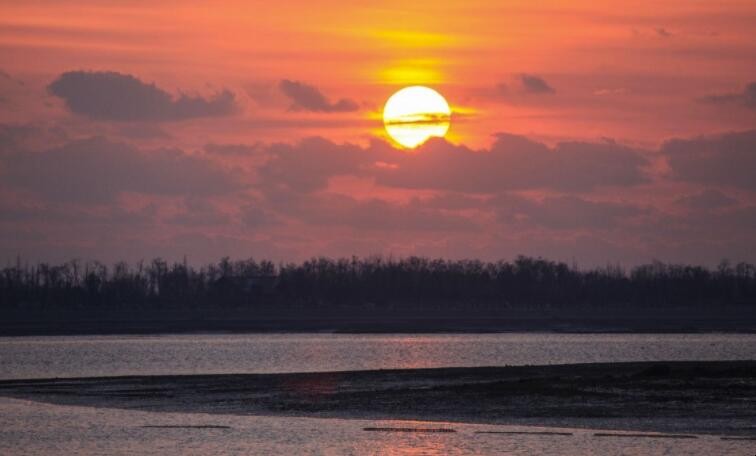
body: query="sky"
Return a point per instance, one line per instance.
(595, 133)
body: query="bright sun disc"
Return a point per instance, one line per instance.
(414, 114)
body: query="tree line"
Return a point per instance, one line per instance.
(373, 282)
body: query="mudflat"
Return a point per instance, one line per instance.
(699, 397)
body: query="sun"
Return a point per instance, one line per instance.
(414, 114)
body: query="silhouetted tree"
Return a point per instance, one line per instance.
(384, 283)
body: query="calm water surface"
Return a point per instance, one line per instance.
(77, 356)
(42, 429)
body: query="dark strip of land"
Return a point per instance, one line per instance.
(730, 320)
(646, 436)
(185, 426)
(407, 429)
(682, 397)
(525, 433)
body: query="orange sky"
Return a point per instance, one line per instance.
(637, 73)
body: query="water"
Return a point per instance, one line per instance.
(79, 356)
(28, 427)
(41, 429)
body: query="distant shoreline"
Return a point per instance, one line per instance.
(744, 323)
(679, 397)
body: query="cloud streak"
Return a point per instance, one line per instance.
(306, 97)
(97, 170)
(746, 98)
(727, 159)
(512, 163)
(115, 96)
(515, 163)
(535, 85)
(563, 212)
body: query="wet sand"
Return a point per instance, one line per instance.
(695, 397)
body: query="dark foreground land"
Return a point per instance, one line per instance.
(689, 397)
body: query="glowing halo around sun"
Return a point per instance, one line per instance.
(414, 114)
